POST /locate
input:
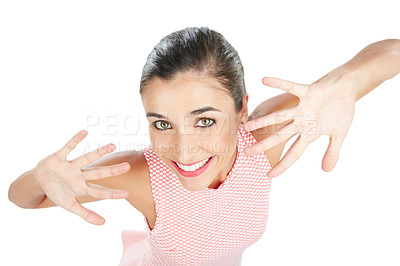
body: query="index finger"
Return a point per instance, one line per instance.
(294, 88)
(92, 156)
(71, 144)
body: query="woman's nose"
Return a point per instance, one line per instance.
(184, 147)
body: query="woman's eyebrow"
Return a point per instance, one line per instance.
(204, 109)
(194, 112)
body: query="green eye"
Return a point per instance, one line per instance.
(161, 125)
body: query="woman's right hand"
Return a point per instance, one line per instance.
(63, 181)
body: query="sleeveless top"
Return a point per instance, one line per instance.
(207, 227)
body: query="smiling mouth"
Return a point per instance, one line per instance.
(193, 170)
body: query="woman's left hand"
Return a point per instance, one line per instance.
(325, 107)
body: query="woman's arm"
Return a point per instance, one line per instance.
(330, 100)
(25, 192)
(373, 65)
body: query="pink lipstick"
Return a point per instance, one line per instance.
(193, 173)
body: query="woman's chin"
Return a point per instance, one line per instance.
(193, 187)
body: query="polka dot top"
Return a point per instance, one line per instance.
(207, 227)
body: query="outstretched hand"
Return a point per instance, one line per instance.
(325, 108)
(64, 181)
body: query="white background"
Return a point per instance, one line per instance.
(65, 64)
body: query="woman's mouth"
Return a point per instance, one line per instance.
(195, 169)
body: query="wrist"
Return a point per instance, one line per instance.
(357, 75)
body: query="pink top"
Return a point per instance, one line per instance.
(208, 227)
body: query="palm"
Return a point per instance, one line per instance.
(325, 108)
(58, 191)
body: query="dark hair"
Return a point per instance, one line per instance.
(204, 51)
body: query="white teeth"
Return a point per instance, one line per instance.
(193, 167)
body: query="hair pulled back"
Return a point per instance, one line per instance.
(199, 50)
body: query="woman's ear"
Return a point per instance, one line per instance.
(245, 110)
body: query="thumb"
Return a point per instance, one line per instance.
(332, 153)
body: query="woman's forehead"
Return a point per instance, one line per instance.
(186, 93)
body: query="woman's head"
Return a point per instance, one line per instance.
(194, 97)
(199, 51)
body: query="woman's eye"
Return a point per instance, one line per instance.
(161, 125)
(202, 122)
(207, 122)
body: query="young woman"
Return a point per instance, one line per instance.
(204, 198)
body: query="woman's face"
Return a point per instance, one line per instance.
(192, 121)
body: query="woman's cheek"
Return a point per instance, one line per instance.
(159, 144)
(221, 144)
